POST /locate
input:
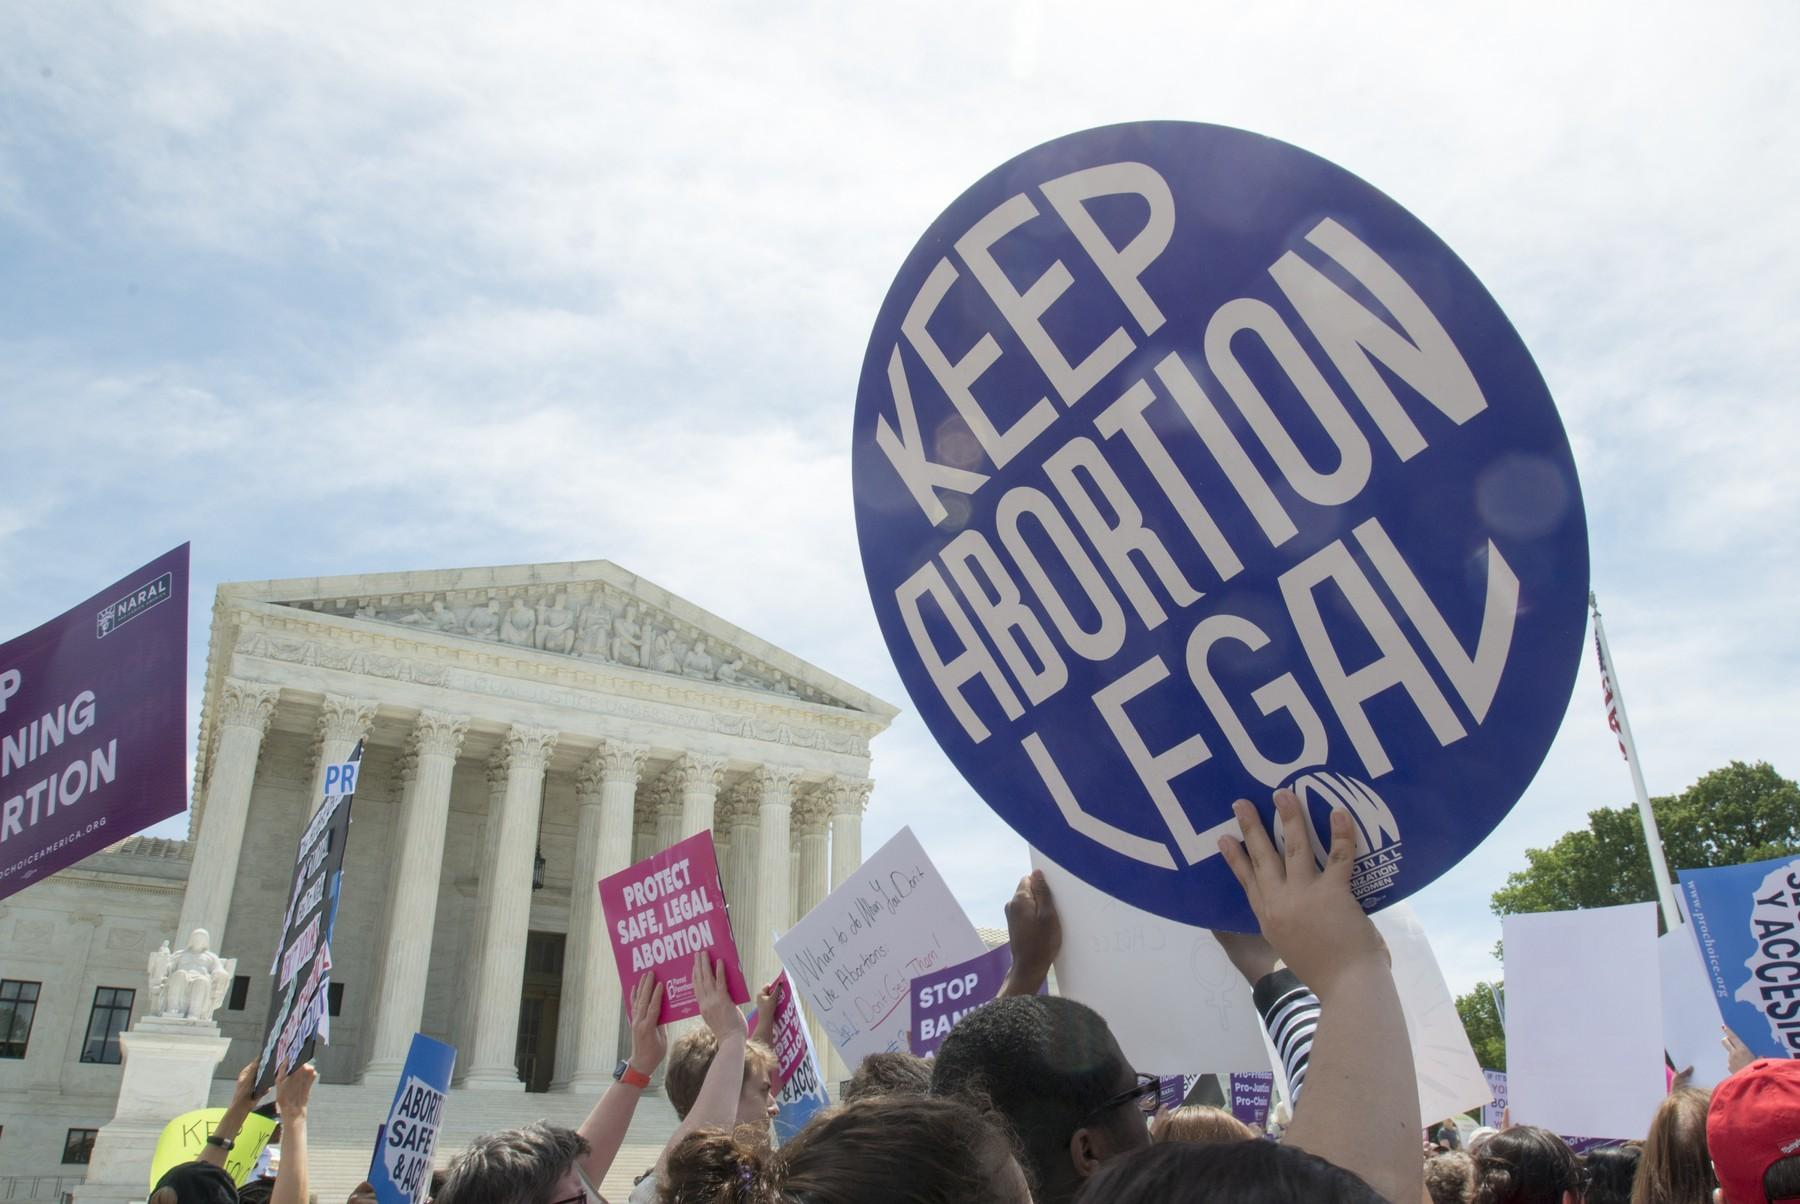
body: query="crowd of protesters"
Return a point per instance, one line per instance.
(1030, 1099)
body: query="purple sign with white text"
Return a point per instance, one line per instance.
(93, 723)
(945, 996)
(1251, 1094)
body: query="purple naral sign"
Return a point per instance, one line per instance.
(93, 723)
(945, 996)
(1250, 1096)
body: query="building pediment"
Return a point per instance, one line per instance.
(590, 611)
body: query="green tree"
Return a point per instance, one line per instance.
(1481, 1020)
(1730, 816)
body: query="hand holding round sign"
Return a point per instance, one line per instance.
(1189, 466)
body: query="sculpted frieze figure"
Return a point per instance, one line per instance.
(484, 621)
(555, 627)
(729, 671)
(698, 662)
(594, 632)
(194, 981)
(662, 657)
(627, 637)
(519, 622)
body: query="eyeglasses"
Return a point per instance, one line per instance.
(1143, 1093)
(588, 1194)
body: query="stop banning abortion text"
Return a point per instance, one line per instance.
(71, 767)
(978, 594)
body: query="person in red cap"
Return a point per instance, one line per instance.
(1753, 1133)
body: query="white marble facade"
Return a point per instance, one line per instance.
(569, 710)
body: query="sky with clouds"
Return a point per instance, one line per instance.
(338, 288)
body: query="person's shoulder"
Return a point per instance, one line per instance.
(643, 1189)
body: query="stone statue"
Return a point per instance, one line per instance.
(555, 627)
(729, 670)
(158, 973)
(442, 617)
(662, 658)
(519, 622)
(195, 980)
(698, 662)
(484, 621)
(594, 634)
(627, 637)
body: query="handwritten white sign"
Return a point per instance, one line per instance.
(852, 956)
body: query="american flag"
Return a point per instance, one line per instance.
(1606, 688)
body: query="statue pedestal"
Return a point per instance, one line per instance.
(169, 1066)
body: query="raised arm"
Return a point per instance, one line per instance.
(1361, 1109)
(243, 1099)
(606, 1125)
(715, 1107)
(1035, 931)
(768, 1002)
(292, 1091)
(1289, 1011)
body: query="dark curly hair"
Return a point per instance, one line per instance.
(1525, 1165)
(892, 1149)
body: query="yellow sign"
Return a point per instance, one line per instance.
(184, 1138)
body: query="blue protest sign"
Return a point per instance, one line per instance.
(1746, 920)
(1187, 466)
(401, 1170)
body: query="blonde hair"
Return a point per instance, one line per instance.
(1201, 1125)
(689, 1060)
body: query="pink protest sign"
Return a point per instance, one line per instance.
(661, 912)
(800, 1085)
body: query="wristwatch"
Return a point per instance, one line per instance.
(623, 1073)
(224, 1143)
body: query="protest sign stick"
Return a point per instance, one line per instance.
(1615, 715)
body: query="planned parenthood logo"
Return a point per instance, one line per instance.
(131, 604)
(1188, 466)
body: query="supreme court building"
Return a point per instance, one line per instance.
(528, 730)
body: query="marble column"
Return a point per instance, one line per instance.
(342, 722)
(812, 812)
(774, 787)
(849, 799)
(668, 811)
(508, 916)
(696, 780)
(417, 861)
(740, 869)
(244, 711)
(485, 863)
(794, 909)
(592, 996)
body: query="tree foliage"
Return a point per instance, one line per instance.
(1730, 816)
(1481, 1020)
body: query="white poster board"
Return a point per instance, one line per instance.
(1584, 1033)
(1170, 995)
(1690, 1011)
(1449, 1076)
(853, 956)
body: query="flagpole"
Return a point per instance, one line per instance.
(1659, 867)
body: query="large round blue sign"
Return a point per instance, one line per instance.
(1189, 466)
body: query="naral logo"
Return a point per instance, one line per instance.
(1377, 831)
(132, 604)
